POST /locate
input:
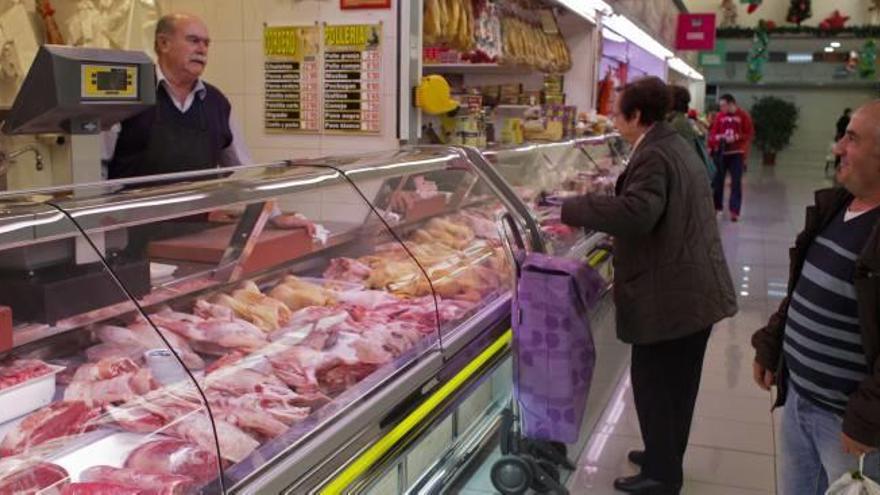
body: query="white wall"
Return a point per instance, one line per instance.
(236, 67)
(776, 10)
(819, 111)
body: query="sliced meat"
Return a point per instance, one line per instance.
(155, 484)
(26, 477)
(58, 420)
(175, 456)
(101, 488)
(22, 370)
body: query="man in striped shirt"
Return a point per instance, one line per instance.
(822, 348)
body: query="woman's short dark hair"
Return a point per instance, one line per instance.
(650, 96)
(681, 98)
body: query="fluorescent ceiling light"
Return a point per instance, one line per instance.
(588, 9)
(680, 66)
(835, 44)
(799, 58)
(612, 36)
(626, 28)
(828, 49)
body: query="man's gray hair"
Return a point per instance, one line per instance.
(166, 26)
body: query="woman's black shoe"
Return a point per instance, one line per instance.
(641, 485)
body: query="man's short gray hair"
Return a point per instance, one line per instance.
(166, 26)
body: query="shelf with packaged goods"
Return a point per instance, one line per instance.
(363, 309)
(466, 68)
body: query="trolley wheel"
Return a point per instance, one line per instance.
(546, 479)
(511, 475)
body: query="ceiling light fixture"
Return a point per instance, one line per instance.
(828, 49)
(835, 44)
(682, 67)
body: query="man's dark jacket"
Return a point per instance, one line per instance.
(671, 279)
(862, 419)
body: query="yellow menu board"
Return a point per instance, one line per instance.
(352, 79)
(291, 78)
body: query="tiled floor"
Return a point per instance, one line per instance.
(732, 448)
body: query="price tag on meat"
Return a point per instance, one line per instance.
(291, 78)
(352, 80)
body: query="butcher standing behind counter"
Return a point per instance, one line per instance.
(191, 127)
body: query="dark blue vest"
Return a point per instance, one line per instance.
(163, 140)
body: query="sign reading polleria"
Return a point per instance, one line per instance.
(292, 89)
(352, 75)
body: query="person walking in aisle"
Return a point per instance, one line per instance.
(687, 128)
(729, 140)
(671, 281)
(822, 346)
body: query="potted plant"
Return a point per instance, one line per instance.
(775, 121)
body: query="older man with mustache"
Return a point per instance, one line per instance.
(190, 127)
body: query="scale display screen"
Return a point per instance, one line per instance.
(109, 82)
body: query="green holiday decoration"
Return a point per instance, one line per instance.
(867, 66)
(864, 31)
(758, 54)
(798, 11)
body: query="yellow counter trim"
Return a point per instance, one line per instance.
(363, 463)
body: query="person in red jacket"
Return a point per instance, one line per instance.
(729, 140)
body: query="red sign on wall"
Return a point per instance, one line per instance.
(695, 32)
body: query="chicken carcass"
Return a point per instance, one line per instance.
(252, 305)
(175, 456)
(19, 476)
(298, 294)
(151, 483)
(62, 419)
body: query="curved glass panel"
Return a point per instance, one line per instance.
(544, 174)
(93, 398)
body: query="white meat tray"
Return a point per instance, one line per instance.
(28, 395)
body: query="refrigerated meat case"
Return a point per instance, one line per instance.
(251, 330)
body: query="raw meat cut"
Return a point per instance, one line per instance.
(252, 420)
(175, 456)
(223, 361)
(151, 483)
(26, 477)
(347, 269)
(281, 408)
(101, 488)
(143, 337)
(235, 445)
(105, 369)
(21, 370)
(212, 336)
(121, 388)
(369, 299)
(58, 420)
(300, 365)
